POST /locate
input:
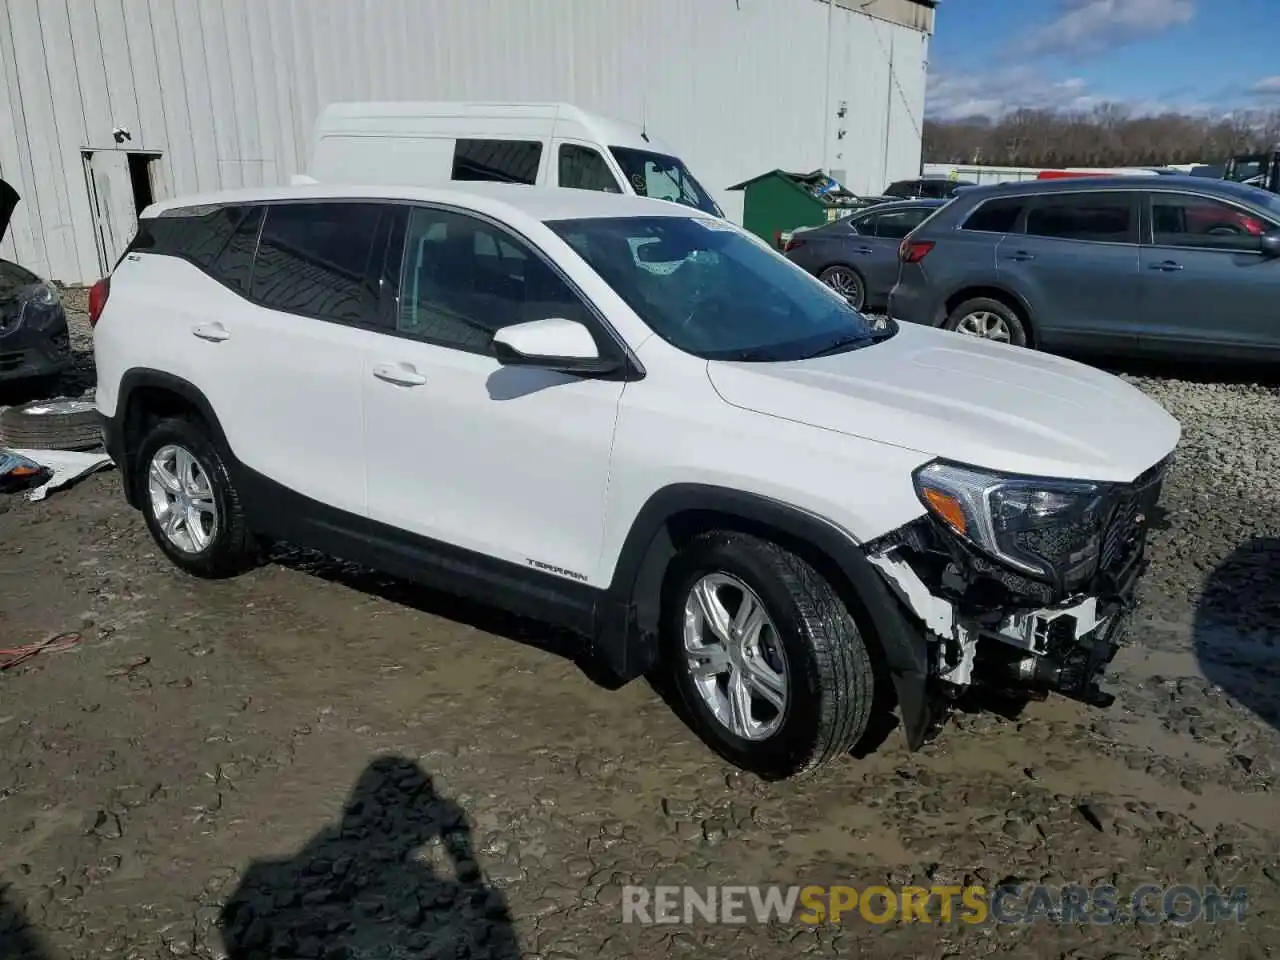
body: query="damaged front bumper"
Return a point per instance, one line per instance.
(1062, 648)
(987, 625)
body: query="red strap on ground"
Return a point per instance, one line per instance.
(16, 655)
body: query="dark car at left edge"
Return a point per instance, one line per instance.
(33, 327)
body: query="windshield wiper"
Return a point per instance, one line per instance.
(843, 343)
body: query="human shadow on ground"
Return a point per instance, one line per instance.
(18, 941)
(367, 887)
(1237, 627)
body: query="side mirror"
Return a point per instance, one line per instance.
(1269, 244)
(564, 346)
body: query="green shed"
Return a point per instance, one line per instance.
(778, 201)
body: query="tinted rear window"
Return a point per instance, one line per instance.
(316, 259)
(996, 216)
(504, 161)
(1096, 216)
(220, 242)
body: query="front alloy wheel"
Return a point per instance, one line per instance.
(734, 656)
(766, 661)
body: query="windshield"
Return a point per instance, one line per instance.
(663, 178)
(712, 290)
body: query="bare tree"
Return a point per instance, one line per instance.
(1109, 135)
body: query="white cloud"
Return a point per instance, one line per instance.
(1267, 87)
(1092, 27)
(952, 96)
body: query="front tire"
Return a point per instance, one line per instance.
(190, 504)
(766, 661)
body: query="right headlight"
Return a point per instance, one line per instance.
(1050, 529)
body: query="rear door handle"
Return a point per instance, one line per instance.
(1021, 256)
(401, 374)
(213, 332)
(866, 250)
(1167, 266)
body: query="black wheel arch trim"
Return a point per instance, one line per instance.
(115, 433)
(627, 630)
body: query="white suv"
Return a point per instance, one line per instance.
(628, 418)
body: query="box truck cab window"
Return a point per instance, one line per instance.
(663, 178)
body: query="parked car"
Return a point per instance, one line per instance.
(637, 421)
(1163, 265)
(857, 256)
(933, 188)
(33, 327)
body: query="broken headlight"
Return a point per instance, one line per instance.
(1049, 529)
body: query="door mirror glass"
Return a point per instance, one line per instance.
(1269, 243)
(553, 344)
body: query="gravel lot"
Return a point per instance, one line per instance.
(396, 774)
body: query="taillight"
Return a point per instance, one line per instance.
(913, 251)
(98, 294)
(791, 244)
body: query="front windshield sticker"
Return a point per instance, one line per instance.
(640, 183)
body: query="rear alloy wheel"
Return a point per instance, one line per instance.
(191, 507)
(988, 319)
(846, 282)
(767, 662)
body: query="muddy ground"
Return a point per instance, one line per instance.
(401, 775)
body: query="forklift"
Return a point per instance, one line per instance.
(1259, 169)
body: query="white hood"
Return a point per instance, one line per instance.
(948, 395)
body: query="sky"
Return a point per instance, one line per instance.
(1197, 56)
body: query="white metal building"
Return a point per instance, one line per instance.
(105, 104)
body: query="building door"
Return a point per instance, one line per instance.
(121, 185)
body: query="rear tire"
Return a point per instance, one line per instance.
(989, 319)
(190, 504)
(806, 670)
(847, 282)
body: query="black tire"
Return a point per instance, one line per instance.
(1019, 328)
(232, 548)
(829, 672)
(856, 290)
(59, 424)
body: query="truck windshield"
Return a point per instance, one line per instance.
(663, 178)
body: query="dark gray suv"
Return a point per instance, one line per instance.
(1175, 266)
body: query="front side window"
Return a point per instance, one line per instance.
(462, 279)
(316, 259)
(1094, 216)
(583, 168)
(713, 291)
(1190, 221)
(503, 161)
(996, 216)
(663, 178)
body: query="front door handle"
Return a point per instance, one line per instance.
(213, 332)
(865, 250)
(1021, 256)
(1167, 266)
(401, 374)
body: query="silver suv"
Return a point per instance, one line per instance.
(1176, 266)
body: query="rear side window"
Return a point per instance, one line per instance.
(1094, 216)
(504, 161)
(220, 241)
(996, 216)
(316, 259)
(584, 169)
(894, 225)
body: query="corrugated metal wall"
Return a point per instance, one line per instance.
(226, 90)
